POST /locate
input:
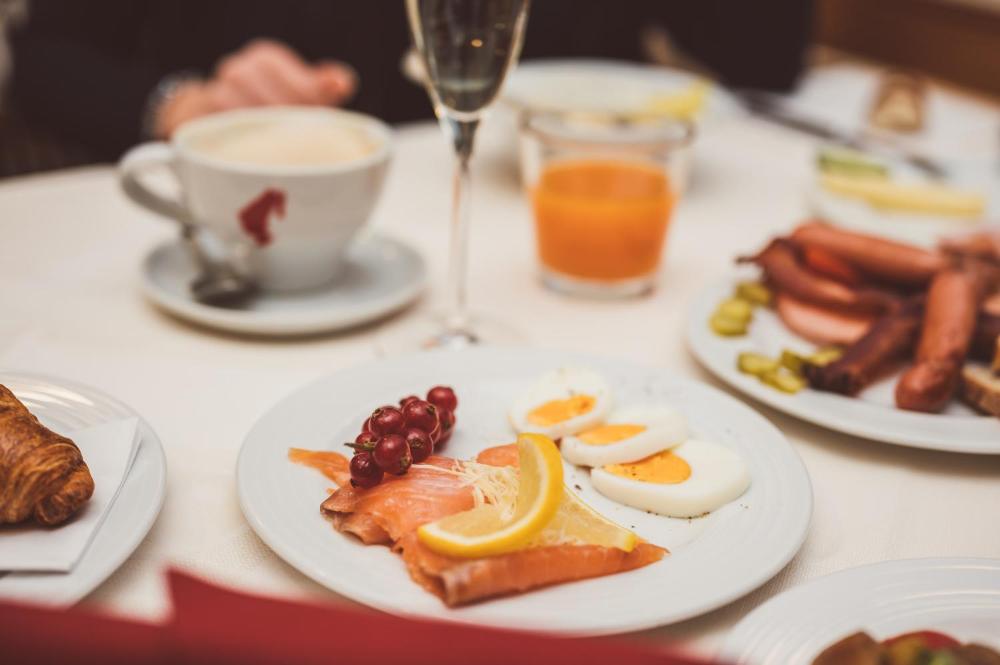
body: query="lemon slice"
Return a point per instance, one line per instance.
(482, 531)
(683, 104)
(577, 523)
(886, 194)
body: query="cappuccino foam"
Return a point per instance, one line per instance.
(285, 142)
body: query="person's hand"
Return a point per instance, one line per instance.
(262, 73)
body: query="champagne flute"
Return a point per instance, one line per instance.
(466, 47)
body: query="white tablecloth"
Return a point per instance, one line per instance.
(70, 250)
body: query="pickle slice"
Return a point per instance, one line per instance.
(756, 364)
(754, 292)
(825, 355)
(727, 326)
(736, 308)
(792, 361)
(786, 382)
(851, 163)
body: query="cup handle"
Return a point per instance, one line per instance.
(140, 160)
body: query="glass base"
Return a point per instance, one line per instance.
(430, 332)
(588, 288)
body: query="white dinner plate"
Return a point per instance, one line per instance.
(64, 406)
(959, 597)
(596, 85)
(381, 277)
(872, 414)
(714, 559)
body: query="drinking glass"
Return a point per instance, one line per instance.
(466, 47)
(602, 188)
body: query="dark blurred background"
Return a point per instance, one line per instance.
(83, 81)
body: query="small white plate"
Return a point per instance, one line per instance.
(913, 228)
(872, 414)
(959, 597)
(615, 86)
(924, 230)
(64, 406)
(382, 276)
(765, 527)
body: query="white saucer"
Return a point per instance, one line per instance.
(382, 276)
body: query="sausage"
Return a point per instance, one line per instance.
(986, 338)
(781, 264)
(981, 245)
(887, 260)
(821, 325)
(949, 322)
(830, 265)
(886, 344)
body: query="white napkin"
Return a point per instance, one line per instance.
(959, 130)
(109, 450)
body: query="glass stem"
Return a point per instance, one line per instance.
(457, 317)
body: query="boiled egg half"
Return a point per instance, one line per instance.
(691, 479)
(630, 433)
(562, 402)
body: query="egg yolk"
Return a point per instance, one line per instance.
(557, 410)
(664, 468)
(605, 434)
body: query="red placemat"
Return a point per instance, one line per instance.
(215, 626)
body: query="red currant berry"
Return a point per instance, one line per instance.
(387, 420)
(365, 473)
(392, 454)
(406, 400)
(442, 397)
(421, 446)
(447, 419)
(435, 434)
(365, 441)
(367, 426)
(420, 415)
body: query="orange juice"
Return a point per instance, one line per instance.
(601, 220)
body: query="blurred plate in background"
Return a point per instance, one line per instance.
(618, 87)
(959, 597)
(919, 228)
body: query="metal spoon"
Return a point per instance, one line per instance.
(217, 284)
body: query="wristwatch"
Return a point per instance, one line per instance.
(164, 91)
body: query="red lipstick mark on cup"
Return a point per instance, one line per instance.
(256, 215)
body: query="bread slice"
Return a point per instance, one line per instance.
(996, 357)
(981, 388)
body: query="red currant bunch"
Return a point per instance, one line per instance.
(393, 439)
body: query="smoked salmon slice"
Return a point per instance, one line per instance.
(332, 465)
(399, 504)
(462, 581)
(499, 455)
(390, 512)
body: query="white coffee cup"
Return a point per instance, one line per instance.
(283, 189)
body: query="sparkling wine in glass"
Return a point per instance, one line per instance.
(466, 47)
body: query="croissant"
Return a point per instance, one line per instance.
(42, 474)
